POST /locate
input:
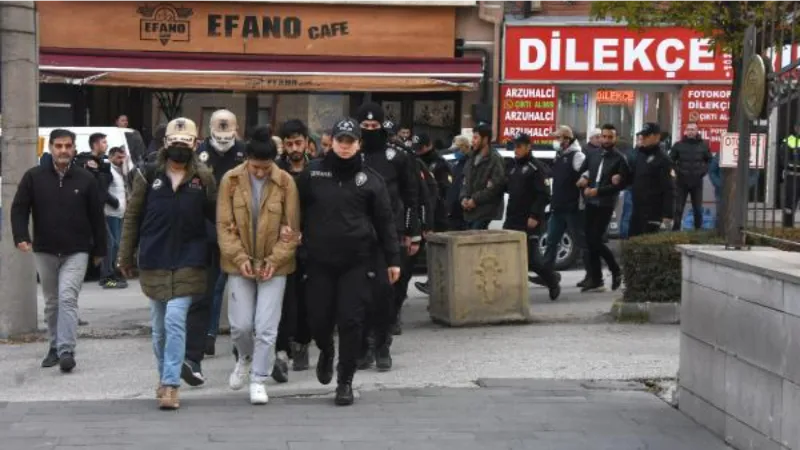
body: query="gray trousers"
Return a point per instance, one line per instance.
(254, 312)
(61, 278)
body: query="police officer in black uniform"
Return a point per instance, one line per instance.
(347, 220)
(427, 195)
(653, 185)
(441, 173)
(220, 152)
(528, 196)
(397, 170)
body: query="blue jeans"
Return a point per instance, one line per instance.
(557, 224)
(216, 306)
(169, 337)
(114, 229)
(627, 213)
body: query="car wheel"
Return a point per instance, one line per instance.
(567, 252)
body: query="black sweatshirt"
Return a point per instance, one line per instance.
(67, 212)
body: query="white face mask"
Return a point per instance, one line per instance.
(556, 145)
(222, 145)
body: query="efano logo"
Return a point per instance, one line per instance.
(164, 23)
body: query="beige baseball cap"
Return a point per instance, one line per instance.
(563, 131)
(181, 131)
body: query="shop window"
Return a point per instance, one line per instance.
(264, 116)
(657, 108)
(573, 111)
(617, 108)
(437, 119)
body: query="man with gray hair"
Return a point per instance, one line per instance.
(593, 140)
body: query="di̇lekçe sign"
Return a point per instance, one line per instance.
(528, 109)
(729, 150)
(709, 108)
(611, 53)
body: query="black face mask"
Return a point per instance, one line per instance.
(374, 140)
(179, 154)
(344, 168)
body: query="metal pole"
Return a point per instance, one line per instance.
(20, 103)
(734, 235)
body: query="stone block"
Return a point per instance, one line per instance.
(753, 287)
(791, 298)
(790, 435)
(686, 267)
(792, 371)
(702, 371)
(742, 437)
(755, 334)
(754, 397)
(702, 312)
(702, 412)
(478, 277)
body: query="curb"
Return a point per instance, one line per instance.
(647, 312)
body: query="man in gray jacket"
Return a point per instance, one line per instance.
(484, 181)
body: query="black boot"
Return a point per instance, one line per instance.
(366, 360)
(383, 355)
(325, 366)
(300, 357)
(51, 359)
(344, 388)
(616, 280)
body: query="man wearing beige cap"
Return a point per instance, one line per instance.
(166, 217)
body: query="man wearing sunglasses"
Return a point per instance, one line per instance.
(70, 228)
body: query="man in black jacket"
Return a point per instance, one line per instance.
(69, 228)
(528, 196)
(397, 170)
(691, 157)
(651, 185)
(293, 332)
(441, 173)
(220, 152)
(347, 219)
(601, 195)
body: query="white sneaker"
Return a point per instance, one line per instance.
(240, 374)
(258, 394)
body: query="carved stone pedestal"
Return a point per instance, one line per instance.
(478, 277)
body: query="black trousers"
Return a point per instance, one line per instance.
(597, 220)
(381, 312)
(536, 261)
(199, 317)
(338, 297)
(683, 191)
(294, 316)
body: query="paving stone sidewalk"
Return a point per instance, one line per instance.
(502, 414)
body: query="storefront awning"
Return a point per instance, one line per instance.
(168, 70)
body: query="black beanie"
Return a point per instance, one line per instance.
(369, 111)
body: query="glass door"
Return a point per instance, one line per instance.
(617, 107)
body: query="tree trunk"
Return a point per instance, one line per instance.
(20, 103)
(725, 212)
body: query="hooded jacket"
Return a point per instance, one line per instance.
(566, 173)
(484, 182)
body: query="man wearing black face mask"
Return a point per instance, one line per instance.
(346, 215)
(652, 185)
(399, 175)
